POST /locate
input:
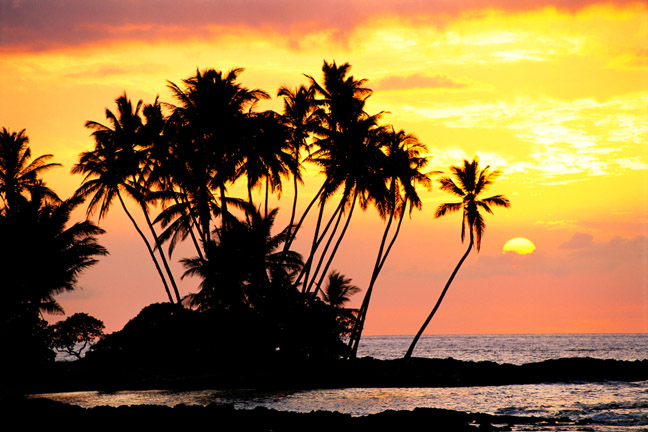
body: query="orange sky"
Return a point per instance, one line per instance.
(553, 93)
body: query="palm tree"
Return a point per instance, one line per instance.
(403, 172)
(358, 167)
(301, 118)
(349, 156)
(213, 118)
(336, 293)
(113, 167)
(265, 154)
(243, 264)
(471, 181)
(17, 173)
(338, 290)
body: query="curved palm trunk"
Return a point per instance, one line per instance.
(223, 207)
(148, 246)
(317, 240)
(267, 196)
(305, 271)
(323, 254)
(337, 244)
(290, 232)
(293, 233)
(294, 206)
(158, 246)
(193, 221)
(438, 303)
(356, 334)
(249, 190)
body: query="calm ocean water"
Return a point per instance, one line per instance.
(514, 349)
(612, 406)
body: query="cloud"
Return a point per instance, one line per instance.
(50, 24)
(417, 81)
(568, 137)
(578, 241)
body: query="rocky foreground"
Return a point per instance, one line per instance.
(40, 413)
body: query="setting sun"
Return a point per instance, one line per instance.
(519, 245)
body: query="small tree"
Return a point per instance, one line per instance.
(77, 329)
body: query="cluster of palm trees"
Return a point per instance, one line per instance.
(179, 162)
(184, 158)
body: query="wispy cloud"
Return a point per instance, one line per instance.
(418, 81)
(565, 137)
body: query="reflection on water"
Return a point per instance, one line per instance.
(613, 403)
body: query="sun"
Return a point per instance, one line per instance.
(519, 245)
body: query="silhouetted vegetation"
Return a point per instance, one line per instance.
(42, 254)
(75, 334)
(184, 157)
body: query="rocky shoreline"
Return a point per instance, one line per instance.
(36, 413)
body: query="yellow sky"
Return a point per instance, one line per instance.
(554, 95)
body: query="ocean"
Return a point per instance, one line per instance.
(611, 406)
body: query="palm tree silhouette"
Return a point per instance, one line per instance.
(17, 173)
(471, 181)
(159, 184)
(348, 154)
(403, 172)
(337, 293)
(213, 117)
(358, 168)
(300, 116)
(115, 166)
(338, 290)
(244, 264)
(265, 153)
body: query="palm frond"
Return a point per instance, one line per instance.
(447, 208)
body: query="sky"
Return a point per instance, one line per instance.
(553, 93)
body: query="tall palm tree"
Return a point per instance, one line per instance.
(359, 169)
(348, 154)
(471, 181)
(301, 118)
(113, 167)
(213, 116)
(166, 178)
(403, 172)
(17, 172)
